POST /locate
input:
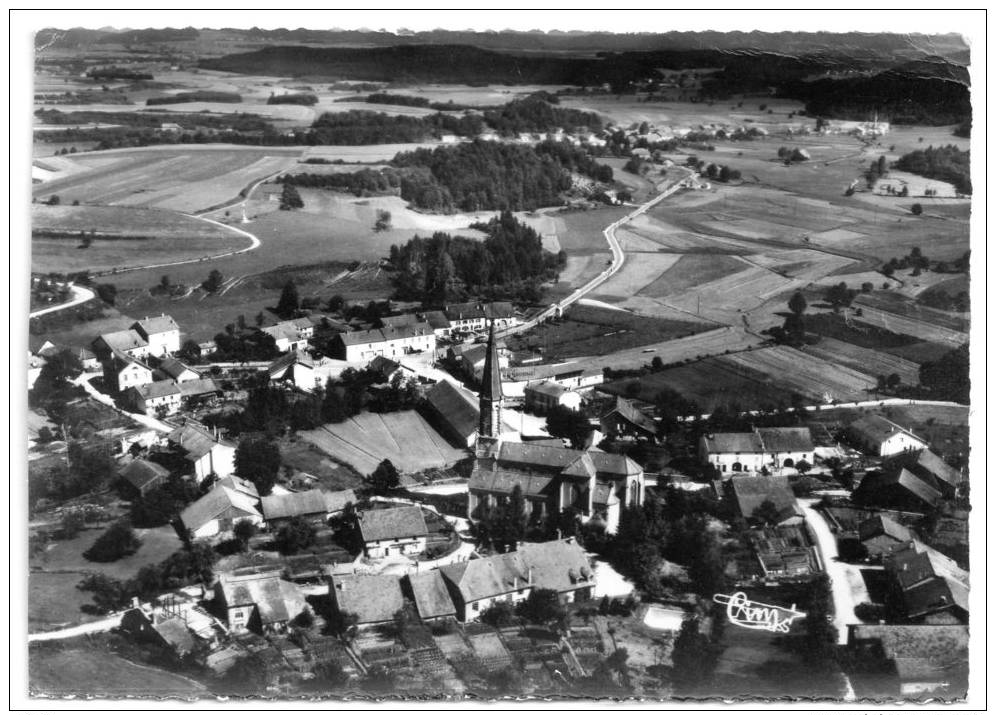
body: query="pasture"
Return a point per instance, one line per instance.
(365, 440)
(121, 237)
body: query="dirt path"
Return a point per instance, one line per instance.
(80, 295)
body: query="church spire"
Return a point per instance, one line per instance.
(491, 394)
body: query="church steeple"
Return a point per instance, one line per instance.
(491, 393)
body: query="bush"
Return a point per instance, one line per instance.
(871, 612)
(917, 209)
(117, 542)
(295, 535)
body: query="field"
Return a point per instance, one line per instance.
(690, 271)
(77, 668)
(794, 371)
(904, 307)
(125, 236)
(872, 362)
(593, 331)
(403, 437)
(180, 178)
(305, 457)
(910, 326)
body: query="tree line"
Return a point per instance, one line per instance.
(944, 163)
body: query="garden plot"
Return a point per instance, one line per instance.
(866, 360)
(795, 371)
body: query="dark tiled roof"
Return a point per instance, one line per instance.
(337, 501)
(284, 506)
(504, 481)
(880, 525)
(751, 491)
(733, 443)
(158, 389)
(400, 321)
(395, 523)
(547, 388)
(456, 409)
(216, 502)
(627, 411)
(122, 340)
(173, 367)
(875, 429)
(498, 310)
(431, 595)
(437, 319)
(195, 441)
(878, 483)
(175, 632)
(464, 311)
(140, 473)
(924, 462)
(786, 439)
(202, 386)
(380, 335)
(276, 600)
(492, 576)
(373, 598)
(558, 565)
(556, 459)
(384, 366)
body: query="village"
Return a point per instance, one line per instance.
(499, 563)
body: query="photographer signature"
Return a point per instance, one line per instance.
(759, 616)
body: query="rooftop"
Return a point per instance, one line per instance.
(373, 598)
(455, 407)
(156, 324)
(122, 340)
(276, 600)
(559, 565)
(221, 501)
(395, 523)
(140, 473)
(284, 506)
(432, 598)
(876, 429)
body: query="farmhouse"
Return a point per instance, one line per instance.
(278, 509)
(296, 368)
(926, 586)
(453, 412)
(475, 585)
(625, 421)
(206, 453)
(766, 448)
(881, 535)
(193, 392)
(928, 467)
(438, 321)
(472, 359)
(916, 659)
(143, 476)
(465, 317)
(336, 502)
(374, 599)
(129, 342)
(258, 600)
(169, 632)
(386, 368)
(122, 372)
(882, 438)
(541, 397)
(163, 396)
(750, 492)
(400, 530)
(501, 314)
(364, 345)
(431, 597)
(218, 511)
(560, 566)
(162, 333)
(175, 370)
(286, 336)
(897, 489)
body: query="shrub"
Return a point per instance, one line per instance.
(117, 542)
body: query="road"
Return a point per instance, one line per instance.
(104, 624)
(846, 583)
(144, 420)
(618, 258)
(80, 295)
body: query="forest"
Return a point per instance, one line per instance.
(509, 263)
(944, 163)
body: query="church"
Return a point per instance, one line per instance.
(597, 484)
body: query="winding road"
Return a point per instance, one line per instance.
(80, 295)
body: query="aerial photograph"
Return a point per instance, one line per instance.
(472, 364)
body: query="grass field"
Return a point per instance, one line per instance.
(691, 271)
(795, 371)
(890, 302)
(591, 331)
(306, 457)
(125, 236)
(872, 362)
(403, 437)
(637, 272)
(77, 668)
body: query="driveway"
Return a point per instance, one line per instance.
(846, 583)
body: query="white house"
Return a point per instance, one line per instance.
(477, 584)
(764, 448)
(286, 336)
(882, 438)
(256, 599)
(206, 453)
(128, 342)
(543, 396)
(399, 530)
(177, 371)
(153, 397)
(218, 511)
(296, 368)
(122, 372)
(363, 345)
(162, 333)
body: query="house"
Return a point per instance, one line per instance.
(88, 360)
(206, 452)
(162, 334)
(925, 586)
(769, 448)
(748, 492)
(164, 397)
(129, 342)
(336, 502)
(541, 397)
(784, 551)
(257, 599)
(438, 321)
(304, 326)
(193, 392)
(453, 411)
(928, 467)
(399, 530)
(477, 584)
(428, 592)
(296, 368)
(465, 317)
(502, 314)
(122, 372)
(472, 357)
(218, 511)
(175, 370)
(911, 660)
(397, 322)
(286, 337)
(208, 347)
(878, 436)
(281, 508)
(625, 421)
(901, 490)
(363, 345)
(881, 535)
(143, 476)
(374, 599)
(560, 565)
(169, 632)
(386, 368)
(552, 479)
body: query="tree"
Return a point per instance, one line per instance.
(289, 300)
(498, 614)
(541, 606)
(797, 303)
(766, 512)
(107, 292)
(693, 656)
(383, 222)
(244, 531)
(71, 524)
(802, 466)
(385, 478)
(290, 198)
(190, 351)
(917, 209)
(109, 594)
(295, 535)
(164, 284)
(258, 460)
(117, 542)
(54, 200)
(568, 424)
(214, 281)
(820, 643)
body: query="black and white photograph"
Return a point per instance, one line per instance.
(615, 356)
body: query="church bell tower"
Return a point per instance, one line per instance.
(489, 428)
